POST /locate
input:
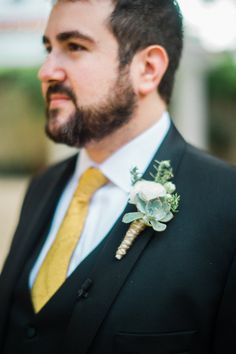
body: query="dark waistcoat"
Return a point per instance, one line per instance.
(45, 332)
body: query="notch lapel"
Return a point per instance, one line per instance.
(109, 274)
(28, 237)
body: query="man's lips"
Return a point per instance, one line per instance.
(58, 99)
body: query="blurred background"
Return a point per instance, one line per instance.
(203, 106)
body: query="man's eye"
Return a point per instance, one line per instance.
(74, 47)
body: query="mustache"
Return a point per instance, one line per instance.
(59, 88)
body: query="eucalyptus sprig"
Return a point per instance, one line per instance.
(164, 171)
(135, 175)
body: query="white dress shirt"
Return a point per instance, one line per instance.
(109, 201)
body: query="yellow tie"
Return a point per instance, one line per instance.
(53, 271)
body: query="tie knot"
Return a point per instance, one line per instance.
(90, 181)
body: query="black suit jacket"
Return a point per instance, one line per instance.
(174, 292)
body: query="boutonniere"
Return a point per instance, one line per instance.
(155, 200)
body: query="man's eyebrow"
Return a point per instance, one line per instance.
(65, 36)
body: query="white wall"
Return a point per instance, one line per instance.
(190, 99)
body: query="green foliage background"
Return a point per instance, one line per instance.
(221, 85)
(22, 143)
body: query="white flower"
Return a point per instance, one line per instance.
(147, 190)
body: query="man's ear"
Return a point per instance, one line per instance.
(148, 68)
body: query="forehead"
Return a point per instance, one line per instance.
(89, 16)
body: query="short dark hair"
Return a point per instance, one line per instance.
(136, 24)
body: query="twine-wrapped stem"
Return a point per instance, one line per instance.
(134, 230)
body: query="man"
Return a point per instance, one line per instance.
(107, 83)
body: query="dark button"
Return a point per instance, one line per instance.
(31, 332)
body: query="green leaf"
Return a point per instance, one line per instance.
(155, 203)
(175, 202)
(164, 171)
(135, 175)
(168, 217)
(155, 210)
(158, 226)
(166, 206)
(141, 204)
(128, 218)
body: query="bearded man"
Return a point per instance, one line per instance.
(107, 81)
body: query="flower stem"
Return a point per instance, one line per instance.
(134, 230)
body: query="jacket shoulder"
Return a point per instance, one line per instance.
(204, 164)
(56, 168)
(46, 180)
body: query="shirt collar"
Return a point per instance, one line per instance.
(138, 152)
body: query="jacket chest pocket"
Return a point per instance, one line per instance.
(154, 343)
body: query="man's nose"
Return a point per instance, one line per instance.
(51, 71)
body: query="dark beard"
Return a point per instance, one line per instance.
(93, 123)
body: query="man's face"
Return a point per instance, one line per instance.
(87, 96)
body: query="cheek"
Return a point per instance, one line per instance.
(92, 81)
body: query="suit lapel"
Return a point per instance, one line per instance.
(43, 211)
(109, 274)
(28, 236)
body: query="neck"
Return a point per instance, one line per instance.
(146, 115)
